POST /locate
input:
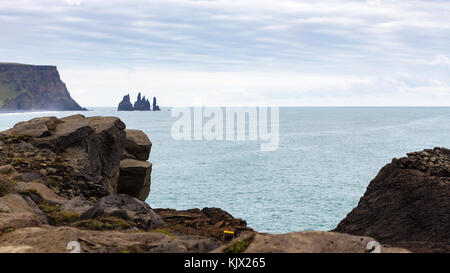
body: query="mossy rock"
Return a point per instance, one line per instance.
(104, 223)
(48, 207)
(62, 218)
(164, 231)
(20, 161)
(34, 194)
(238, 247)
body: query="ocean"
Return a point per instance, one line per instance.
(326, 158)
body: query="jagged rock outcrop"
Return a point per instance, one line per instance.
(82, 151)
(125, 104)
(90, 148)
(141, 104)
(407, 204)
(155, 105)
(32, 87)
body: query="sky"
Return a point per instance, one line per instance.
(243, 52)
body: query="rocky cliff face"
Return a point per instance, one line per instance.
(407, 204)
(30, 87)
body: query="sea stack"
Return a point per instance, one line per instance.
(33, 88)
(155, 106)
(141, 104)
(125, 104)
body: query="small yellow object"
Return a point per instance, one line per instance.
(228, 235)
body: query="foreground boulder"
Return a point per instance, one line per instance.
(87, 149)
(79, 155)
(134, 178)
(125, 207)
(137, 144)
(407, 204)
(135, 170)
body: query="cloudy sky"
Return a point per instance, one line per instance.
(237, 52)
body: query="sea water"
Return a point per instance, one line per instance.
(325, 160)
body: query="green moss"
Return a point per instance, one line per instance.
(47, 207)
(10, 229)
(164, 231)
(104, 223)
(12, 181)
(20, 161)
(58, 159)
(90, 224)
(238, 247)
(62, 218)
(31, 192)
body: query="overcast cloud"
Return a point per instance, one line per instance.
(327, 52)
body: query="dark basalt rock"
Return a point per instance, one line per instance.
(127, 208)
(407, 204)
(155, 106)
(208, 222)
(31, 87)
(90, 147)
(135, 170)
(137, 144)
(134, 178)
(125, 104)
(141, 104)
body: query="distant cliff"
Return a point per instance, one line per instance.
(33, 87)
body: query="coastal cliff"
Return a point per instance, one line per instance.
(33, 88)
(85, 179)
(407, 204)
